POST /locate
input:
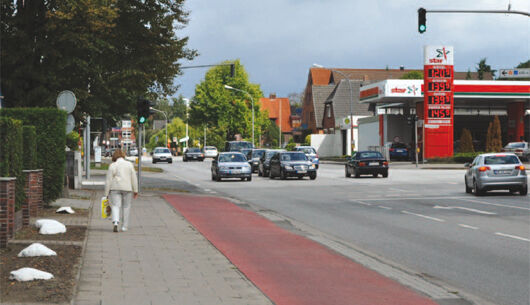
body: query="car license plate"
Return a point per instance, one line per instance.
(373, 163)
(301, 172)
(235, 171)
(502, 172)
(161, 158)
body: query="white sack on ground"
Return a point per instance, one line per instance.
(29, 274)
(36, 249)
(65, 210)
(50, 226)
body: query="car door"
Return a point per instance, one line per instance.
(215, 165)
(470, 169)
(275, 164)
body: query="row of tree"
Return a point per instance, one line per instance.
(493, 138)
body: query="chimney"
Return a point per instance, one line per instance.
(401, 68)
(272, 95)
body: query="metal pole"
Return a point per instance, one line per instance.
(252, 118)
(416, 139)
(140, 163)
(87, 153)
(480, 12)
(280, 133)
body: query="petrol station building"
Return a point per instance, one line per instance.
(396, 102)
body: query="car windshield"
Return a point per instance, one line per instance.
(210, 148)
(239, 145)
(307, 150)
(194, 150)
(501, 159)
(232, 158)
(257, 153)
(162, 150)
(370, 155)
(515, 145)
(295, 156)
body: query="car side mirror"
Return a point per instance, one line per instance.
(467, 164)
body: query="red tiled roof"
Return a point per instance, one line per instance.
(272, 105)
(320, 76)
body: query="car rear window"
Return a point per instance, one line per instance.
(194, 150)
(398, 145)
(162, 150)
(232, 158)
(515, 145)
(370, 155)
(307, 150)
(293, 157)
(257, 153)
(501, 159)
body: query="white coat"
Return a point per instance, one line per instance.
(121, 177)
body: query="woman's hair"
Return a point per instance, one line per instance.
(118, 153)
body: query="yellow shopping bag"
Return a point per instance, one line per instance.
(105, 207)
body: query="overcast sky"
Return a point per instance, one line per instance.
(277, 41)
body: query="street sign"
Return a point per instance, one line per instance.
(66, 101)
(184, 139)
(514, 73)
(70, 123)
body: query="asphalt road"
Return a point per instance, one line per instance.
(416, 218)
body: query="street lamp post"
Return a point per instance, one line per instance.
(252, 100)
(187, 101)
(351, 103)
(164, 116)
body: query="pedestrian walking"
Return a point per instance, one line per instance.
(121, 186)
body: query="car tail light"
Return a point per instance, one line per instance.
(484, 168)
(519, 150)
(391, 149)
(520, 167)
(385, 163)
(362, 164)
(503, 150)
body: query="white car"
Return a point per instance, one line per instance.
(162, 154)
(210, 152)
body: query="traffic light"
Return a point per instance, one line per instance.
(143, 108)
(422, 20)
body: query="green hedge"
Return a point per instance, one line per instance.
(11, 156)
(29, 157)
(466, 157)
(72, 140)
(50, 125)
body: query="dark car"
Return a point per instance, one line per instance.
(255, 155)
(399, 151)
(264, 162)
(247, 152)
(237, 145)
(292, 164)
(193, 153)
(366, 163)
(231, 165)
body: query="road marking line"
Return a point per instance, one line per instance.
(463, 208)
(360, 202)
(383, 207)
(424, 216)
(497, 204)
(467, 226)
(512, 236)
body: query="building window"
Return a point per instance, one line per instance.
(328, 109)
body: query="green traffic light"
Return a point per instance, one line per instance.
(423, 28)
(141, 120)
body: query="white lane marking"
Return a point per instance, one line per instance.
(207, 190)
(468, 226)
(463, 208)
(360, 202)
(453, 183)
(423, 216)
(497, 204)
(399, 190)
(383, 207)
(512, 236)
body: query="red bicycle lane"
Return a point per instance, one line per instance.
(288, 268)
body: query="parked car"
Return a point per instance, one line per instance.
(231, 165)
(133, 152)
(162, 154)
(310, 152)
(247, 152)
(366, 163)
(255, 155)
(210, 152)
(264, 162)
(398, 151)
(237, 145)
(291, 164)
(521, 149)
(494, 171)
(193, 153)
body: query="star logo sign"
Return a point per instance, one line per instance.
(412, 89)
(442, 53)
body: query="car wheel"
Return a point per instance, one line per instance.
(243, 179)
(355, 173)
(213, 177)
(524, 190)
(217, 178)
(249, 178)
(313, 175)
(385, 174)
(478, 191)
(170, 161)
(468, 189)
(266, 173)
(260, 173)
(346, 171)
(375, 175)
(300, 177)
(282, 175)
(154, 162)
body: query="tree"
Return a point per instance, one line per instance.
(107, 52)
(228, 111)
(412, 75)
(466, 142)
(525, 64)
(271, 134)
(482, 68)
(494, 137)
(468, 75)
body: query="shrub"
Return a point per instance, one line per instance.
(50, 125)
(466, 157)
(72, 140)
(11, 156)
(307, 141)
(494, 138)
(29, 157)
(290, 145)
(466, 142)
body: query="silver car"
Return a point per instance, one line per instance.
(521, 149)
(231, 165)
(494, 171)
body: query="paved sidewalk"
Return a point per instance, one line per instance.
(161, 259)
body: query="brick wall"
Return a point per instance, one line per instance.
(33, 189)
(7, 210)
